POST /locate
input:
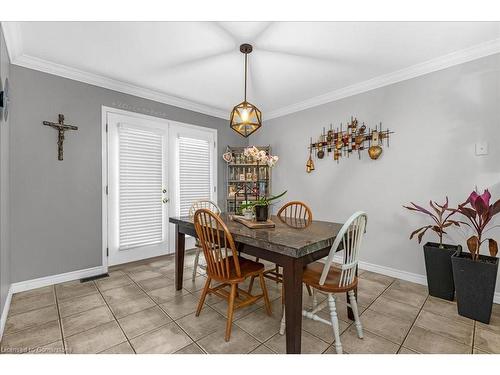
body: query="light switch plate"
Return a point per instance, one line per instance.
(481, 148)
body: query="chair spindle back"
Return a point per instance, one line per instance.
(296, 214)
(351, 236)
(207, 204)
(217, 244)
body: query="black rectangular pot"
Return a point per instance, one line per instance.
(261, 212)
(475, 285)
(439, 271)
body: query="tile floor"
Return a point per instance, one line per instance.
(137, 310)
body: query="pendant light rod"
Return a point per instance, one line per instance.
(246, 49)
(246, 56)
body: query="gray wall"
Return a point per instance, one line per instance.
(56, 215)
(4, 186)
(437, 119)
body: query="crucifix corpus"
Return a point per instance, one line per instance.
(61, 127)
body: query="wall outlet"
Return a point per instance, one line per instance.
(481, 148)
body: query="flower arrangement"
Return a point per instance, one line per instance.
(260, 156)
(479, 211)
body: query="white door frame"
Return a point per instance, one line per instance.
(104, 167)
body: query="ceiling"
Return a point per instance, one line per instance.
(294, 65)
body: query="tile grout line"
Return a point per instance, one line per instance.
(445, 317)
(413, 325)
(60, 319)
(173, 320)
(367, 307)
(261, 343)
(116, 319)
(222, 315)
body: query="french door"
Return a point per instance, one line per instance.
(154, 168)
(137, 188)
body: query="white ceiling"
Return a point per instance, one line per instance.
(294, 65)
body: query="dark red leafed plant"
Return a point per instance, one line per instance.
(440, 216)
(478, 210)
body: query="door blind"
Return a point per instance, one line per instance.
(140, 188)
(194, 172)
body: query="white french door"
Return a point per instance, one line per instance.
(152, 168)
(193, 152)
(137, 188)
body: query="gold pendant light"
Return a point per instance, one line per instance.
(245, 117)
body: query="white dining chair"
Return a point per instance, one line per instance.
(201, 204)
(330, 279)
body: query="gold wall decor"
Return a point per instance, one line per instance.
(343, 142)
(310, 163)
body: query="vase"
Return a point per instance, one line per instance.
(475, 285)
(438, 269)
(261, 212)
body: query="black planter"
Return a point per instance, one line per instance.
(439, 272)
(475, 285)
(261, 213)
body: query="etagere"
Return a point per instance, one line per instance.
(246, 179)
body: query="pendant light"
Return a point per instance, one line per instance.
(245, 117)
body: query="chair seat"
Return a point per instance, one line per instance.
(312, 274)
(247, 268)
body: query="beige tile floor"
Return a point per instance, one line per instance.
(137, 310)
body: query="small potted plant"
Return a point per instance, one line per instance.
(437, 255)
(261, 206)
(475, 274)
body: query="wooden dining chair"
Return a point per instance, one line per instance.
(297, 215)
(209, 205)
(329, 279)
(225, 267)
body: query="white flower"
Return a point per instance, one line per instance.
(272, 161)
(261, 156)
(251, 152)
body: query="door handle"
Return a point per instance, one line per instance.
(165, 200)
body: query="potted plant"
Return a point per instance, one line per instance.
(437, 255)
(475, 274)
(261, 206)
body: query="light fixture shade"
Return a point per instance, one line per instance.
(245, 118)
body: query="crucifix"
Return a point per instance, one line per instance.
(61, 127)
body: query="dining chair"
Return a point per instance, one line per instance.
(225, 267)
(295, 214)
(209, 205)
(330, 279)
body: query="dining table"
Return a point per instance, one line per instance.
(290, 246)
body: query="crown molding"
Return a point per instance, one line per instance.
(35, 63)
(13, 38)
(455, 58)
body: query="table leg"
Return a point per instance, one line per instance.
(179, 257)
(350, 314)
(292, 281)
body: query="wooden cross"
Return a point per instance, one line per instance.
(61, 127)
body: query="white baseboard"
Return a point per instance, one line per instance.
(56, 279)
(5, 312)
(398, 274)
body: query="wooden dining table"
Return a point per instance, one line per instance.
(291, 247)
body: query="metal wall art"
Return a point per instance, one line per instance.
(343, 142)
